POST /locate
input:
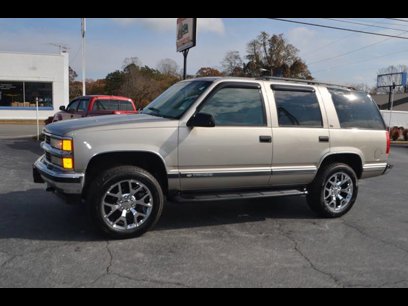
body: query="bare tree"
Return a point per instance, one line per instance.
(72, 75)
(273, 55)
(232, 63)
(168, 66)
(362, 87)
(134, 60)
(208, 71)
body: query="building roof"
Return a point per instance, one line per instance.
(400, 101)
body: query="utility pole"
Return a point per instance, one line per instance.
(83, 30)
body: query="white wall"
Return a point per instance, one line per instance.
(36, 68)
(398, 118)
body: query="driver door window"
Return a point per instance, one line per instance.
(236, 106)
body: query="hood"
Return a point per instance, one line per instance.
(108, 122)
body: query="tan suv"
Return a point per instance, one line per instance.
(214, 139)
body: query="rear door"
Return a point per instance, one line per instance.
(300, 134)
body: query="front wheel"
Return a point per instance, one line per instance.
(125, 201)
(334, 191)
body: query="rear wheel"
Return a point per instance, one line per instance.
(334, 191)
(125, 201)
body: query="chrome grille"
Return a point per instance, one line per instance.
(48, 156)
(47, 139)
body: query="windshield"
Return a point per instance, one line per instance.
(176, 100)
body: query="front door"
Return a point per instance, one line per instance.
(237, 152)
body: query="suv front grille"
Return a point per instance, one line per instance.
(47, 139)
(48, 156)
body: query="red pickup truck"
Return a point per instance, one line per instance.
(87, 106)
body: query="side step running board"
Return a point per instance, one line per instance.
(237, 196)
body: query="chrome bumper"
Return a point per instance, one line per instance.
(372, 170)
(62, 181)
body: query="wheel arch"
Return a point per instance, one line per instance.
(353, 160)
(147, 160)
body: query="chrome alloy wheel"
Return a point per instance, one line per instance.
(338, 192)
(126, 205)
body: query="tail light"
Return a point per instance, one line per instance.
(388, 143)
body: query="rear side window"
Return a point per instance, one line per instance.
(124, 105)
(104, 105)
(112, 105)
(356, 110)
(297, 106)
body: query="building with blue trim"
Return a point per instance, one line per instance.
(27, 79)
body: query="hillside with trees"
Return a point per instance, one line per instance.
(265, 55)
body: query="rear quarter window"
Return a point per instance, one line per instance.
(124, 105)
(356, 110)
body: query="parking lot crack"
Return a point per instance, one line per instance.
(153, 281)
(361, 232)
(307, 259)
(392, 284)
(108, 267)
(7, 261)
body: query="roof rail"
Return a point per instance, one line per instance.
(310, 82)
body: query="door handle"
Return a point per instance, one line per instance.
(265, 138)
(323, 138)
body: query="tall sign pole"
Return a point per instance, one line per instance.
(186, 38)
(83, 30)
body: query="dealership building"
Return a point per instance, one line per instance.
(28, 78)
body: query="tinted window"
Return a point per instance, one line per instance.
(177, 99)
(124, 105)
(297, 108)
(236, 107)
(83, 105)
(73, 106)
(105, 105)
(356, 110)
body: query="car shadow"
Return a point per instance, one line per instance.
(192, 215)
(25, 144)
(38, 215)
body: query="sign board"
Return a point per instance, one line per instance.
(186, 33)
(387, 80)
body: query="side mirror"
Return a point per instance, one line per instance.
(201, 119)
(62, 108)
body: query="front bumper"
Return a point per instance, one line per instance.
(56, 178)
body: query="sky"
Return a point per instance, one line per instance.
(331, 55)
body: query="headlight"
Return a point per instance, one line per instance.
(62, 144)
(65, 158)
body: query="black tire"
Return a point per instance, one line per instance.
(107, 180)
(317, 192)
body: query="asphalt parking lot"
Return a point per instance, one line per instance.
(258, 243)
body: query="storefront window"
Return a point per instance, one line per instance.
(24, 94)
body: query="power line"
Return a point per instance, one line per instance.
(328, 44)
(349, 52)
(352, 51)
(403, 20)
(366, 24)
(338, 28)
(359, 62)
